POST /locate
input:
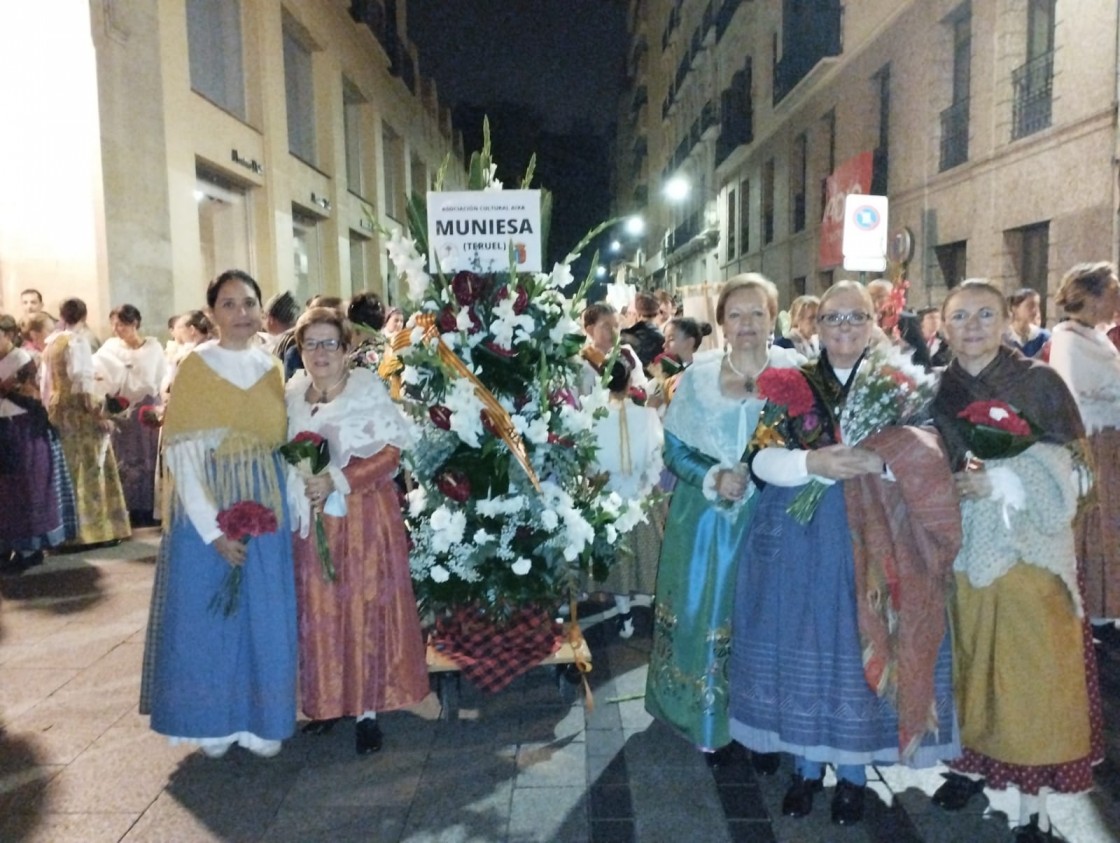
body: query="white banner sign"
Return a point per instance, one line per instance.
(865, 233)
(477, 230)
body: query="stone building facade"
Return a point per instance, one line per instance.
(203, 134)
(991, 132)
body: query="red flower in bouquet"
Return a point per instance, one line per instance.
(520, 301)
(116, 404)
(468, 287)
(310, 454)
(150, 417)
(786, 388)
(455, 484)
(440, 416)
(240, 522)
(666, 365)
(996, 430)
(446, 321)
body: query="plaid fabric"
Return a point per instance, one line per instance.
(155, 623)
(64, 488)
(492, 656)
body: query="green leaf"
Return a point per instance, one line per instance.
(528, 178)
(417, 210)
(546, 219)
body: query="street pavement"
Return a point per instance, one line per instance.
(78, 763)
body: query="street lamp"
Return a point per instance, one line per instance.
(677, 189)
(635, 226)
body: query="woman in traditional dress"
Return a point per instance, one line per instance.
(367, 317)
(629, 452)
(707, 428)
(210, 678)
(38, 511)
(142, 367)
(1090, 366)
(600, 324)
(191, 329)
(36, 328)
(67, 389)
(1026, 680)
(360, 646)
(1023, 332)
(798, 682)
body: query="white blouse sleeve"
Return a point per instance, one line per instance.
(187, 459)
(781, 467)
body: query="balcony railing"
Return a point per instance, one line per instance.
(954, 134)
(1033, 85)
(679, 237)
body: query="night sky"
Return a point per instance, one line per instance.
(548, 73)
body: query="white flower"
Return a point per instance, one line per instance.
(561, 275)
(417, 501)
(522, 566)
(998, 414)
(416, 336)
(463, 320)
(411, 375)
(482, 537)
(508, 327)
(575, 420)
(495, 507)
(537, 432)
(549, 520)
(450, 531)
(440, 519)
(491, 182)
(612, 534)
(466, 411)
(439, 573)
(564, 325)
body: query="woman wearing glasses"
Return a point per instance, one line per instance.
(796, 669)
(360, 647)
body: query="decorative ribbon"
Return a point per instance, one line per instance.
(579, 646)
(495, 413)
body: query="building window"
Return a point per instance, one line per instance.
(307, 255)
(954, 119)
(392, 165)
(824, 279)
(828, 127)
(354, 109)
(299, 94)
(736, 114)
(951, 260)
(215, 53)
(880, 165)
(223, 224)
(768, 202)
(745, 218)
(1029, 247)
(1033, 81)
(799, 176)
(359, 262)
(797, 286)
(419, 176)
(732, 228)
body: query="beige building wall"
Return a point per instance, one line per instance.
(1063, 176)
(156, 135)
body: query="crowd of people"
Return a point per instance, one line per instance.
(784, 633)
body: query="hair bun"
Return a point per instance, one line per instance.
(705, 329)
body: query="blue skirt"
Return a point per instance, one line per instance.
(796, 672)
(212, 675)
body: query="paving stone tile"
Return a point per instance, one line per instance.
(552, 765)
(227, 820)
(384, 779)
(97, 827)
(298, 823)
(473, 811)
(21, 688)
(611, 802)
(546, 814)
(612, 831)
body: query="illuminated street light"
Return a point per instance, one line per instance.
(635, 226)
(616, 246)
(677, 188)
(600, 271)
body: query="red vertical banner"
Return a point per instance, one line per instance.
(853, 176)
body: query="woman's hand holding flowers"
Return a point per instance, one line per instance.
(731, 483)
(319, 487)
(842, 462)
(973, 481)
(231, 550)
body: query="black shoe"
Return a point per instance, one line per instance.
(1031, 833)
(319, 727)
(721, 757)
(957, 791)
(30, 560)
(766, 763)
(798, 801)
(626, 625)
(367, 737)
(847, 803)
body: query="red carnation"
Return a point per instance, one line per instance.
(246, 519)
(996, 414)
(308, 436)
(440, 416)
(501, 351)
(788, 388)
(446, 321)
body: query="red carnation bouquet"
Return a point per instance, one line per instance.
(115, 404)
(310, 454)
(240, 522)
(150, 417)
(996, 430)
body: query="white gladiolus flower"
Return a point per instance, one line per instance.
(466, 412)
(561, 275)
(463, 320)
(417, 501)
(522, 566)
(611, 534)
(439, 573)
(564, 325)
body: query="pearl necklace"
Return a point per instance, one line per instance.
(748, 380)
(323, 393)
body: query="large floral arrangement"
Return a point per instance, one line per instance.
(506, 510)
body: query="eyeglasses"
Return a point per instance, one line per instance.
(329, 345)
(834, 320)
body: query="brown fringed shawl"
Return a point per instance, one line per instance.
(905, 535)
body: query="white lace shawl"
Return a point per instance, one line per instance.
(1090, 365)
(357, 424)
(1011, 526)
(704, 419)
